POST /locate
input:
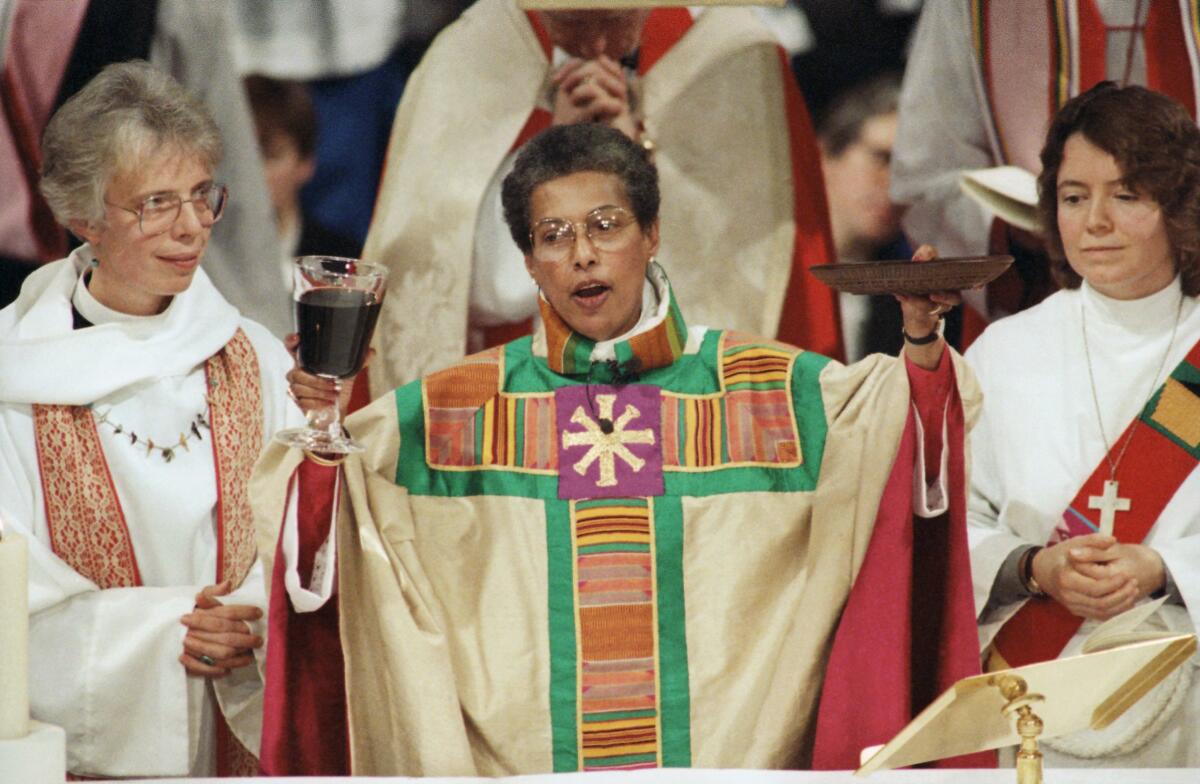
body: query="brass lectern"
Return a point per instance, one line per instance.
(1017, 706)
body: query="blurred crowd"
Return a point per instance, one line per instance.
(322, 83)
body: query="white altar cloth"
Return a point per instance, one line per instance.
(693, 776)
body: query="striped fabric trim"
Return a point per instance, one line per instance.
(468, 384)
(701, 432)
(570, 353)
(751, 422)
(1066, 22)
(617, 634)
(1174, 410)
(755, 365)
(506, 432)
(980, 40)
(470, 424)
(1190, 11)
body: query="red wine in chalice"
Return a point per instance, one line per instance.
(335, 327)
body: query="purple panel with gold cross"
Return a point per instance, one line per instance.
(610, 444)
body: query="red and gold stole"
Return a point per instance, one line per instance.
(1163, 451)
(83, 513)
(1034, 55)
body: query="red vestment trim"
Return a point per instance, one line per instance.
(1074, 61)
(908, 631)
(236, 419)
(305, 728)
(83, 514)
(810, 316)
(1152, 471)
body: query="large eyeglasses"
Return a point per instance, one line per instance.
(608, 229)
(158, 213)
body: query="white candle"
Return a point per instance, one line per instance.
(14, 637)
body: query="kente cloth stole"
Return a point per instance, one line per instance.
(610, 448)
(1163, 452)
(1062, 42)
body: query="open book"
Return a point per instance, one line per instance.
(1008, 191)
(1123, 629)
(1120, 665)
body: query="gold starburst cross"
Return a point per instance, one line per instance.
(607, 447)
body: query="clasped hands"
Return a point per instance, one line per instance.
(593, 91)
(218, 633)
(1095, 576)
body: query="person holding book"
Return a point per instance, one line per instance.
(1085, 498)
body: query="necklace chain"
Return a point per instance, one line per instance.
(194, 431)
(1112, 464)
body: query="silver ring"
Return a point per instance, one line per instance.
(206, 659)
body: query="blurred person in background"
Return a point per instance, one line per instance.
(856, 135)
(355, 59)
(287, 138)
(709, 91)
(51, 50)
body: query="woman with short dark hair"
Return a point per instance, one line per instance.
(1085, 500)
(627, 541)
(134, 401)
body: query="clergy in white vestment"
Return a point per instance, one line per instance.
(984, 80)
(134, 401)
(1085, 497)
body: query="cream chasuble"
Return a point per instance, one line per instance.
(1036, 443)
(538, 572)
(104, 662)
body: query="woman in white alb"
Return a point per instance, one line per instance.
(1085, 500)
(134, 400)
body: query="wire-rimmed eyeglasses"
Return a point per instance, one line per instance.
(607, 228)
(158, 212)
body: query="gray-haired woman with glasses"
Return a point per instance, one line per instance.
(134, 400)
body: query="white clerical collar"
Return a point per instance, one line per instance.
(1147, 314)
(98, 313)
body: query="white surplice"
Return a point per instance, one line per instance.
(1036, 443)
(104, 663)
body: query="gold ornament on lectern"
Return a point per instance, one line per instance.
(1044, 700)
